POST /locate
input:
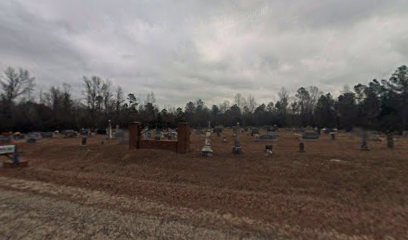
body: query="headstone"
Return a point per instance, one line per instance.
(270, 136)
(83, 141)
(268, 150)
(390, 140)
(207, 150)
(254, 131)
(69, 133)
(110, 130)
(237, 143)
(35, 135)
(333, 135)
(364, 141)
(218, 130)
(301, 147)
(310, 135)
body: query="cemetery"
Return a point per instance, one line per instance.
(288, 180)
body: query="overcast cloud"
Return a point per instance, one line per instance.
(185, 50)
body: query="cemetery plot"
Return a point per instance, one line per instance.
(331, 190)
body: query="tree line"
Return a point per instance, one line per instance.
(381, 105)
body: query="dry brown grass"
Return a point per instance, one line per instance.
(300, 195)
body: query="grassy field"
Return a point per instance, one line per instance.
(332, 191)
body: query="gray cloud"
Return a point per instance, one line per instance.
(184, 50)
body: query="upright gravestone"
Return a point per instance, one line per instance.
(237, 143)
(268, 150)
(364, 141)
(254, 131)
(207, 150)
(390, 140)
(218, 130)
(110, 130)
(333, 135)
(83, 141)
(301, 147)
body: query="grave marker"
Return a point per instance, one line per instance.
(301, 147)
(207, 150)
(268, 150)
(237, 143)
(364, 141)
(310, 135)
(390, 140)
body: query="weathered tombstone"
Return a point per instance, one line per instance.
(35, 135)
(364, 141)
(237, 143)
(83, 141)
(207, 150)
(268, 150)
(69, 133)
(333, 135)
(254, 131)
(301, 147)
(218, 130)
(390, 140)
(270, 136)
(310, 135)
(110, 130)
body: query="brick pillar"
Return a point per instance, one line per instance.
(183, 138)
(135, 129)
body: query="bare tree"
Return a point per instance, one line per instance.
(15, 84)
(251, 103)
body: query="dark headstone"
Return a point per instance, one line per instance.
(218, 130)
(390, 140)
(364, 141)
(254, 131)
(268, 149)
(84, 140)
(301, 147)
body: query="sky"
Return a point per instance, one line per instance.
(185, 50)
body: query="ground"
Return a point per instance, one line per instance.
(104, 191)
